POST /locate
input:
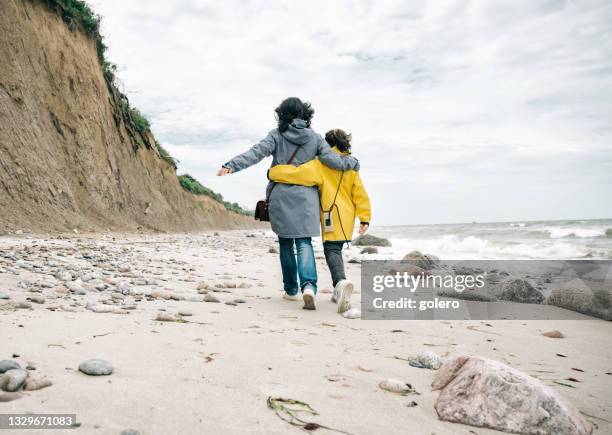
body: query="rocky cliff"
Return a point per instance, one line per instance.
(69, 156)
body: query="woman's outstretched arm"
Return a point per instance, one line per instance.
(257, 152)
(308, 174)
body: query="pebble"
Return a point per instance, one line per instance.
(12, 380)
(353, 313)
(396, 386)
(185, 313)
(36, 383)
(76, 288)
(553, 334)
(240, 301)
(426, 360)
(130, 432)
(4, 296)
(8, 364)
(23, 305)
(8, 397)
(125, 267)
(231, 303)
(202, 286)
(272, 251)
(37, 299)
(211, 298)
(96, 367)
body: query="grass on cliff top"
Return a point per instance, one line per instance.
(77, 13)
(192, 185)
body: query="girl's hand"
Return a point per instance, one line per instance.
(363, 228)
(224, 171)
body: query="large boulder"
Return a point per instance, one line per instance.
(416, 258)
(486, 393)
(370, 240)
(519, 290)
(584, 297)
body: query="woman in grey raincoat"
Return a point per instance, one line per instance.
(294, 210)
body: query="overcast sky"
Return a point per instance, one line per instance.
(460, 110)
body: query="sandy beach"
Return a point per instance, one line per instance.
(213, 372)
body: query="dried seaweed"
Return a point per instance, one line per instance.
(289, 410)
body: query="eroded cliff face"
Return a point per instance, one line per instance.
(67, 160)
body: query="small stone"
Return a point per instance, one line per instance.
(23, 305)
(37, 299)
(396, 386)
(553, 334)
(202, 286)
(185, 313)
(76, 288)
(4, 296)
(353, 313)
(8, 364)
(125, 267)
(272, 251)
(240, 301)
(211, 298)
(36, 383)
(9, 397)
(426, 360)
(12, 380)
(165, 317)
(369, 250)
(130, 432)
(231, 303)
(161, 294)
(96, 367)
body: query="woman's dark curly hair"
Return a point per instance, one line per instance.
(290, 109)
(339, 139)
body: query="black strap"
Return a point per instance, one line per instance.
(297, 148)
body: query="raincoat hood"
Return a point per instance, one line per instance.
(298, 132)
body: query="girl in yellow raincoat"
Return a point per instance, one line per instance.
(343, 198)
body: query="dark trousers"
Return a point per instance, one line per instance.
(333, 257)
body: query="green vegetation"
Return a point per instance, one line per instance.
(192, 185)
(77, 13)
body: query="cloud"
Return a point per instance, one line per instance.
(447, 100)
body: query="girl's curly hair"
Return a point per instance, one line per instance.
(339, 139)
(292, 108)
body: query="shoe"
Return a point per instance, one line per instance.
(290, 297)
(334, 294)
(308, 295)
(344, 290)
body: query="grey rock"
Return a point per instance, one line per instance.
(519, 290)
(231, 303)
(96, 367)
(486, 393)
(370, 240)
(426, 360)
(4, 296)
(584, 297)
(36, 383)
(12, 380)
(416, 258)
(37, 299)
(272, 251)
(369, 250)
(76, 288)
(130, 432)
(8, 364)
(240, 301)
(211, 298)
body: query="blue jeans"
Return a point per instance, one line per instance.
(303, 267)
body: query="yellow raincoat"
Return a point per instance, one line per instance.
(351, 200)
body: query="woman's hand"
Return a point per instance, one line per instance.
(224, 171)
(363, 228)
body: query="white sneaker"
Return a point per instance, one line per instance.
(309, 299)
(343, 291)
(290, 297)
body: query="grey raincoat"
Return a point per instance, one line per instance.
(294, 210)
